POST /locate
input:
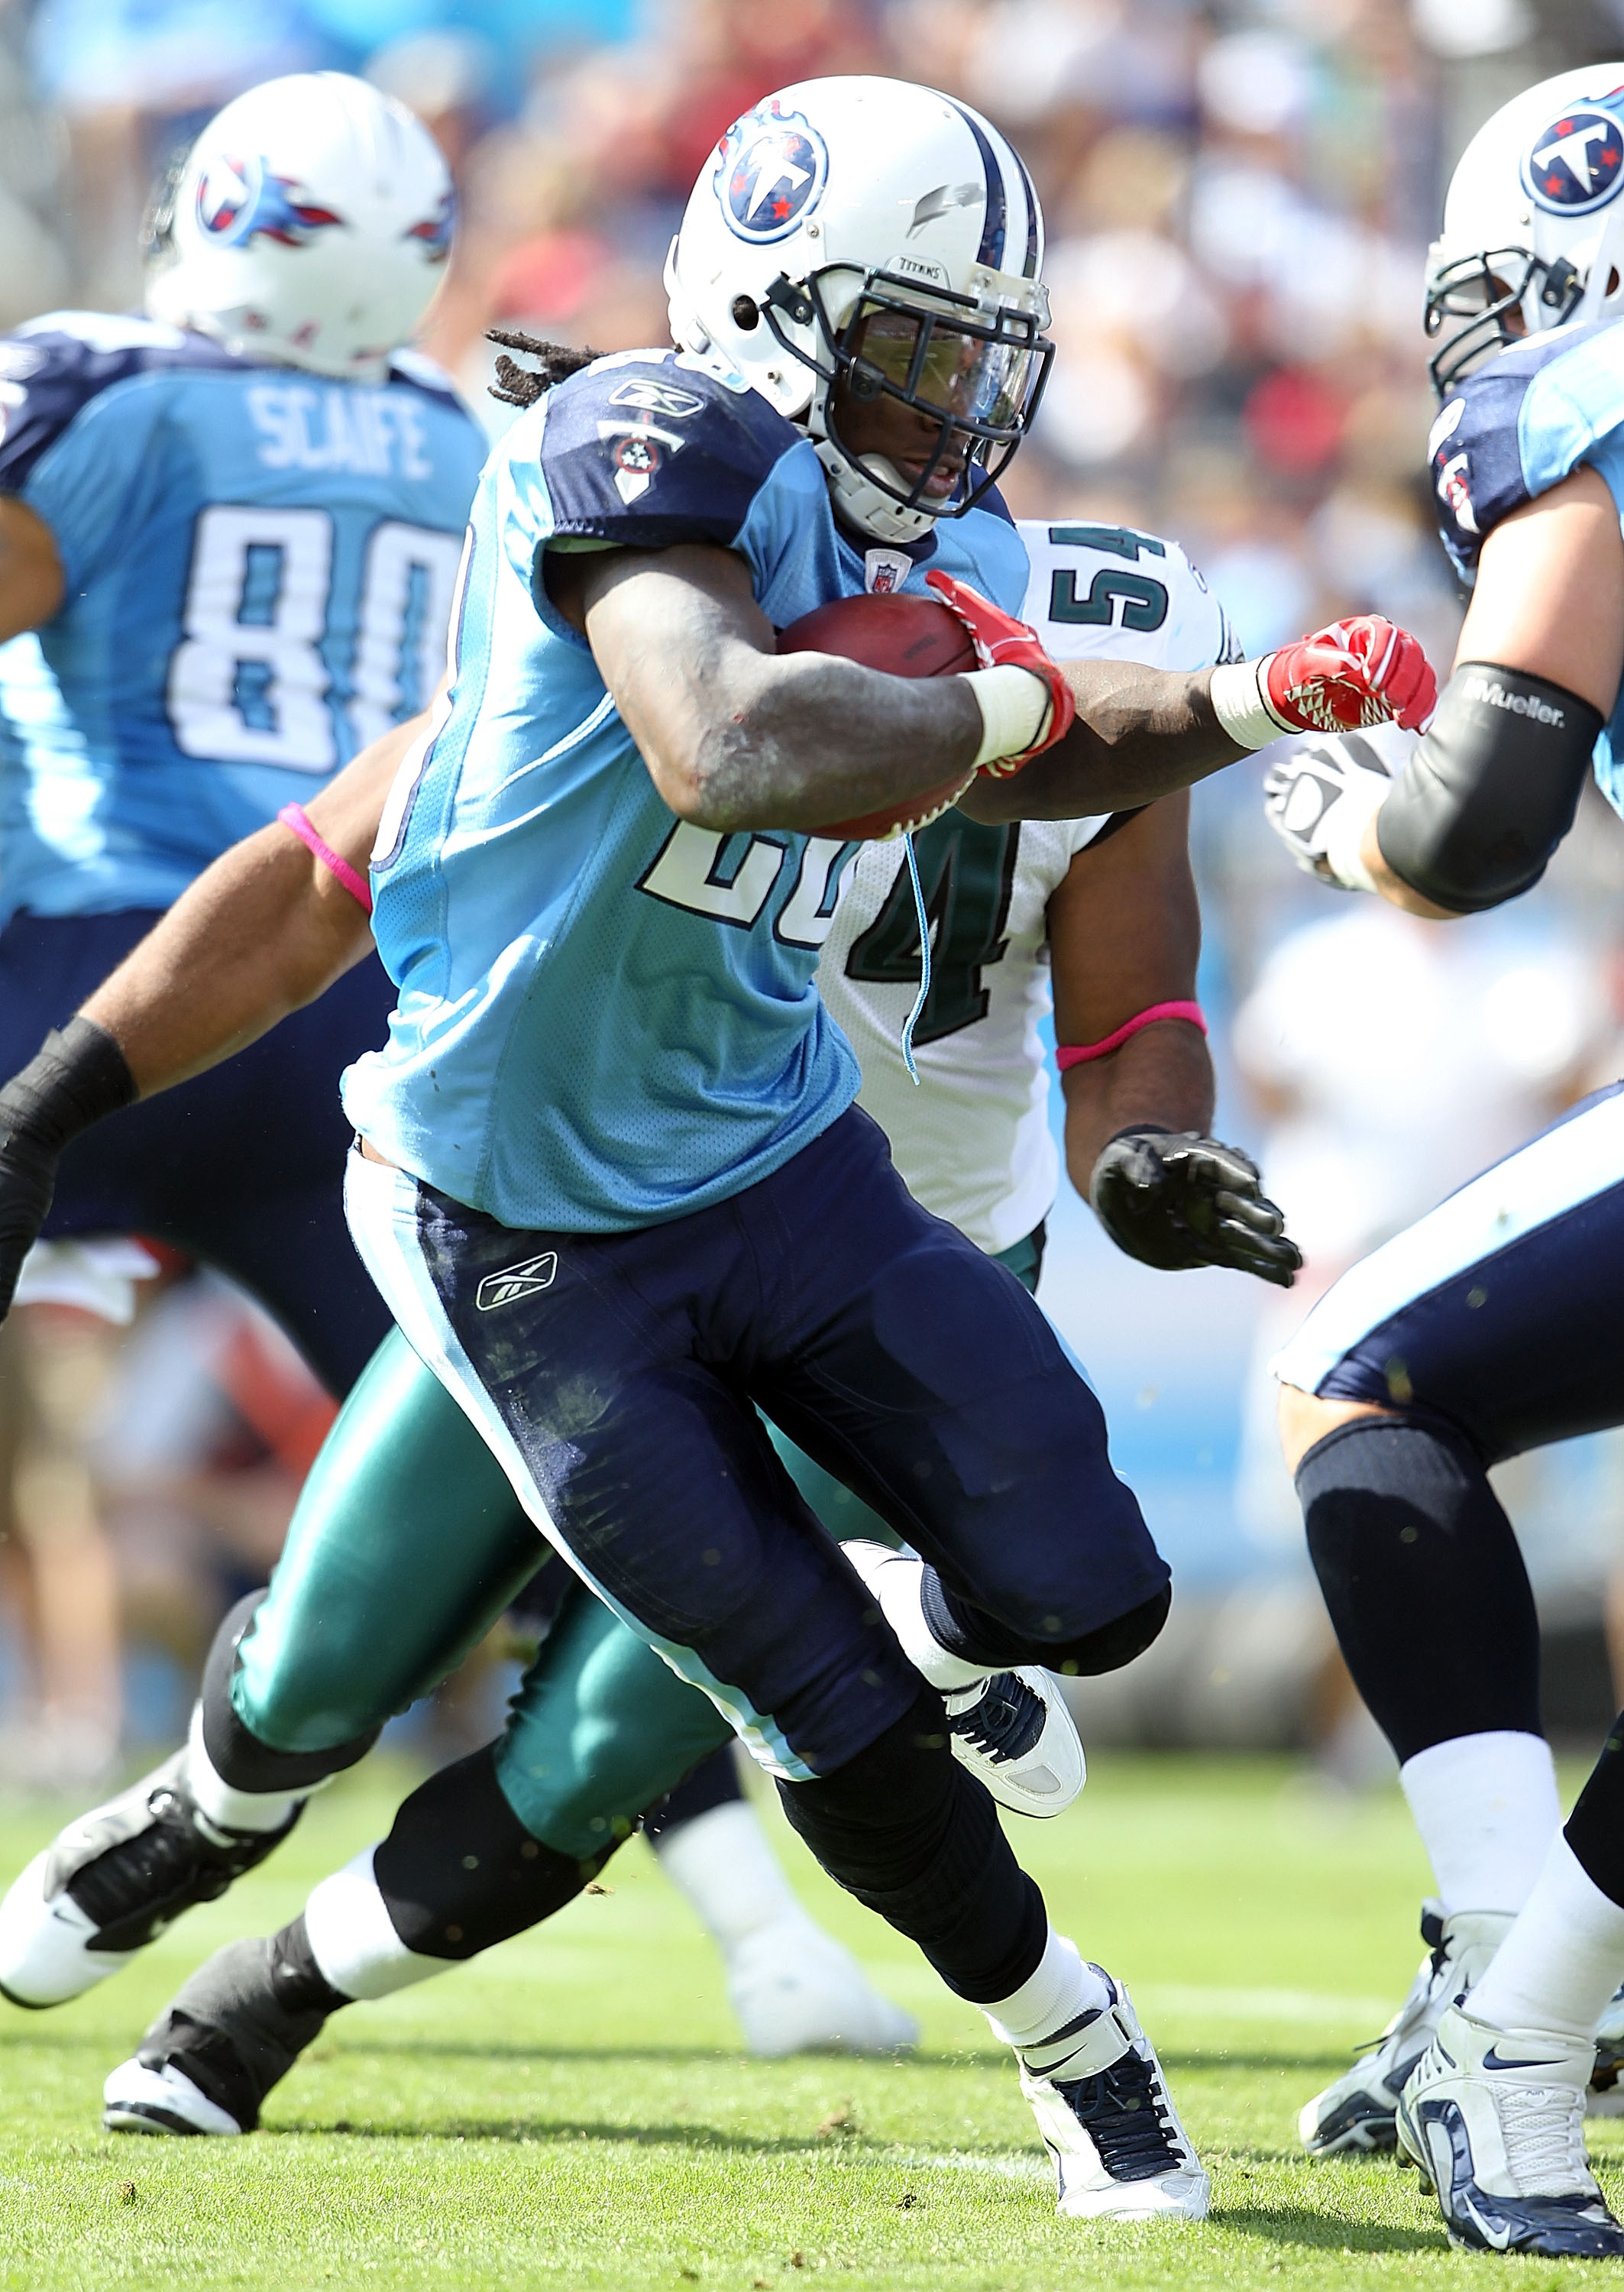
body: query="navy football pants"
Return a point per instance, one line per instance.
(613, 1375)
(242, 1167)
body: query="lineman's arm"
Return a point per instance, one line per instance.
(1473, 817)
(1125, 936)
(30, 571)
(263, 931)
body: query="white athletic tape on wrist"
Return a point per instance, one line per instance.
(1345, 827)
(1014, 704)
(1240, 704)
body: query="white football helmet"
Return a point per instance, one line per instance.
(1533, 223)
(308, 225)
(871, 230)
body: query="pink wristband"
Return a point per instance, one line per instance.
(295, 816)
(1076, 1054)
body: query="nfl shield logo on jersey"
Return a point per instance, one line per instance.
(771, 169)
(884, 571)
(1577, 163)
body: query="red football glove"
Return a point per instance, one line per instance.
(1345, 678)
(1001, 641)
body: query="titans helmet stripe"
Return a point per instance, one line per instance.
(1034, 249)
(994, 229)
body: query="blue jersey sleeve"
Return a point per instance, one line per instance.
(642, 450)
(74, 437)
(1521, 424)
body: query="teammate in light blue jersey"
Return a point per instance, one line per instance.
(230, 533)
(1492, 1326)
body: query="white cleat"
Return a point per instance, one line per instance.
(1606, 2093)
(795, 1990)
(111, 1882)
(1356, 2111)
(139, 2100)
(1495, 2119)
(1107, 2119)
(1011, 1728)
(1015, 1733)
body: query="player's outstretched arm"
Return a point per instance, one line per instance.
(1124, 939)
(1472, 817)
(266, 929)
(1141, 733)
(736, 735)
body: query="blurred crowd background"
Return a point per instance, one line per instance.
(1238, 197)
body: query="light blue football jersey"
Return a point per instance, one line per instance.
(607, 1016)
(1517, 428)
(259, 571)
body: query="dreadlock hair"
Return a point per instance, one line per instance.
(522, 385)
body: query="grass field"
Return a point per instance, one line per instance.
(572, 2112)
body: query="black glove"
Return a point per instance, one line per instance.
(74, 1078)
(1175, 1199)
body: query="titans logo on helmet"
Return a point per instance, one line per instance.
(1576, 163)
(435, 230)
(241, 200)
(771, 169)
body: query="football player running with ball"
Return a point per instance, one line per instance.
(1492, 1326)
(601, 1727)
(612, 1182)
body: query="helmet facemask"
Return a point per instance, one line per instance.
(973, 366)
(1499, 297)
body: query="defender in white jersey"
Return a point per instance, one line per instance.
(1106, 910)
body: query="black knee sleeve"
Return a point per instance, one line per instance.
(913, 1837)
(714, 1783)
(977, 1636)
(1595, 1827)
(1427, 1589)
(237, 1756)
(459, 1870)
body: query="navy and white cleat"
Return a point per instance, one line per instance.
(1356, 2111)
(1015, 1733)
(1108, 2120)
(111, 1882)
(1495, 2120)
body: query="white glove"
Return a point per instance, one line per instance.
(1319, 795)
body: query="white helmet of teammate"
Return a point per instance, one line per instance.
(1533, 223)
(872, 229)
(308, 225)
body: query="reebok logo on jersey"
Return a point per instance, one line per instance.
(526, 1279)
(1516, 704)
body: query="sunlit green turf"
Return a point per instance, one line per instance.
(573, 2111)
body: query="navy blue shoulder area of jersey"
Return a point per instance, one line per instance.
(47, 379)
(1477, 444)
(649, 453)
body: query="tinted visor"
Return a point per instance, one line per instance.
(974, 375)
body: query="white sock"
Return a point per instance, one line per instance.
(1061, 1988)
(353, 1941)
(219, 1802)
(894, 1582)
(723, 1868)
(1562, 1960)
(1486, 1808)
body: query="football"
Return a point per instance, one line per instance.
(902, 636)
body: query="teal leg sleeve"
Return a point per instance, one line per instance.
(599, 1728)
(406, 1545)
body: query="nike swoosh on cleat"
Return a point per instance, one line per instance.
(1492, 2060)
(1498, 2238)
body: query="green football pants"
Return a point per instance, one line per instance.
(407, 1545)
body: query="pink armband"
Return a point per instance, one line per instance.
(1076, 1054)
(295, 816)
